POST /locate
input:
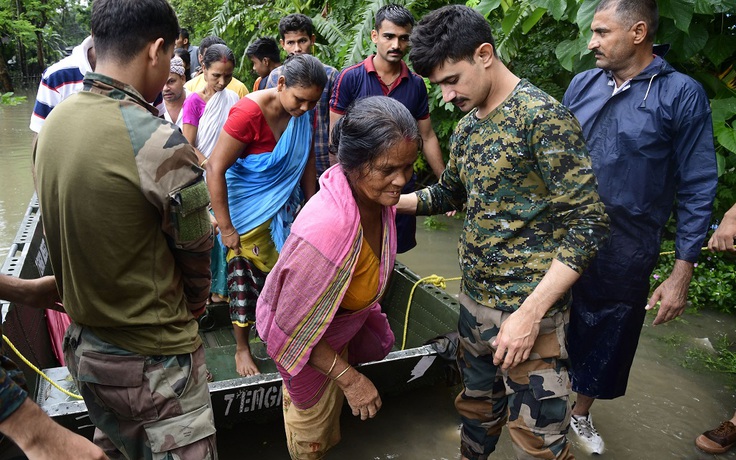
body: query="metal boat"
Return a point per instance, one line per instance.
(425, 323)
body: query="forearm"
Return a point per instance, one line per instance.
(27, 425)
(218, 198)
(682, 273)
(555, 283)
(407, 204)
(37, 293)
(309, 177)
(433, 153)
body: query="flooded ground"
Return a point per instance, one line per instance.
(666, 407)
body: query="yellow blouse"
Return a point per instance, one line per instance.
(363, 287)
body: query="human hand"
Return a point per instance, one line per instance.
(231, 240)
(516, 338)
(361, 394)
(725, 235)
(672, 293)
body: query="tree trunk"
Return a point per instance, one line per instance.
(39, 50)
(6, 84)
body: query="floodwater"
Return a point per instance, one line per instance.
(666, 407)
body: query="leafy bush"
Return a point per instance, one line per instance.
(10, 99)
(714, 278)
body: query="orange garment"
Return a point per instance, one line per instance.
(363, 286)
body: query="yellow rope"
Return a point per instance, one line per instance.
(438, 281)
(667, 253)
(39, 371)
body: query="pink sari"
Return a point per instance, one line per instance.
(302, 295)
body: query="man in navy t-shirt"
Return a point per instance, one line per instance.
(386, 74)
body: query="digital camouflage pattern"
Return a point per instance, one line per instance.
(143, 407)
(525, 177)
(532, 398)
(125, 218)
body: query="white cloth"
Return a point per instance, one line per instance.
(213, 119)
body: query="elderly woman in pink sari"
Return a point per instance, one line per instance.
(318, 313)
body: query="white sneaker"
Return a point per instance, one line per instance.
(589, 437)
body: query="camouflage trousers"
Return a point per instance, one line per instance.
(532, 398)
(143, 407)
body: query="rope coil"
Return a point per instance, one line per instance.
(438, 281)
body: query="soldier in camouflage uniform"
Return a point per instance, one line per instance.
(125, 215)
(519, 166)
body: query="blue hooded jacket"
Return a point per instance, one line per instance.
(652, 151)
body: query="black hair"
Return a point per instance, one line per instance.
(122, 28)
(215, 53)
(184, 55)
(184, 33)
(629, 12)
(395, 14)
(452, 32)
(209, 41)
(370, 127)
(304, 70)
(264, 47)
(296, 22)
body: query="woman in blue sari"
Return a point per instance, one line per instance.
(254, 173)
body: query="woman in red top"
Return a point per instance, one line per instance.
(253, 175)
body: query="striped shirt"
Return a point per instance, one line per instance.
(60, 81)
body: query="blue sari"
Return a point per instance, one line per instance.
(266, 186)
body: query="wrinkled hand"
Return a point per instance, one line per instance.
(361, 394)
(672, 293)
(672, 296)
(515, 339)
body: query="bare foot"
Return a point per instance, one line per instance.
(244, 363)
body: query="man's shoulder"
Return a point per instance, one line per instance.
(63, 72)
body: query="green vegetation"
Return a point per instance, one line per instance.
(10, 99)
(434, 223)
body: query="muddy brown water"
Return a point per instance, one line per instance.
(666, 407)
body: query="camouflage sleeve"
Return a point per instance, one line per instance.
(447, 194)
(172, 181)
(566, 169)
(12, 394)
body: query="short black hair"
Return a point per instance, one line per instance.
(304, 70)
(264, 47)
(629, 12)
(371, 126)
(184, 33)
(395, 14)
(296, 22)
(209, 41)
(452, 32)
(122, 28)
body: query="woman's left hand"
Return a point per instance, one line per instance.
(361, 394)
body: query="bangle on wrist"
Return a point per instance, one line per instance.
(334, 361)
(204, 162)
(229, 234)
(343, 372)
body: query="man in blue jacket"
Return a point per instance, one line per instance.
(650, 136)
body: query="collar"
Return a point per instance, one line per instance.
(371, 68)
(102, 84)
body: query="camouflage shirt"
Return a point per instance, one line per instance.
(525, 178)
(125, 216)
